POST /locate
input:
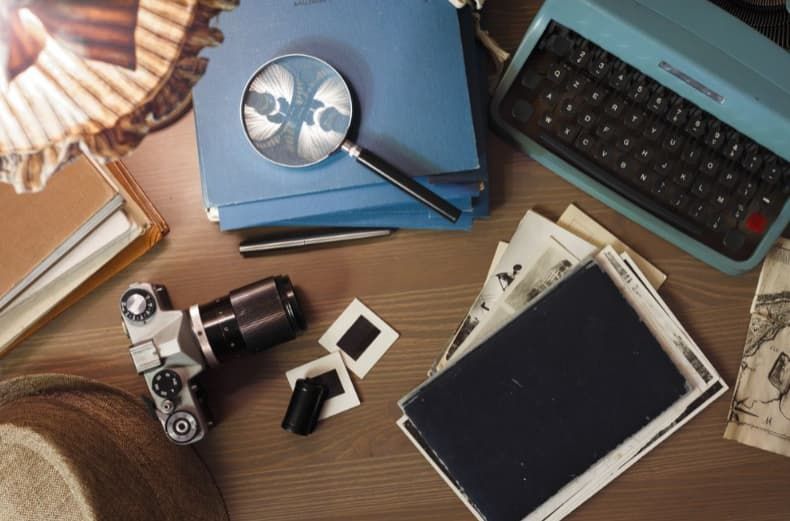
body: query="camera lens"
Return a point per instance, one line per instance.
(252, 318)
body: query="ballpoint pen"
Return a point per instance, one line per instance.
(266, 244)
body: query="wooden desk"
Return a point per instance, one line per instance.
(358, 465)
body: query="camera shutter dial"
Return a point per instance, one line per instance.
(138, 305)
(166, 384)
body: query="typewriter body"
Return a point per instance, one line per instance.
(676, 113)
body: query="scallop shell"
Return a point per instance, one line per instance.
(93, 77)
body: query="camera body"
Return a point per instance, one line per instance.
(172, 347)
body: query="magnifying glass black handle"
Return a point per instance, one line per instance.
(402, 181)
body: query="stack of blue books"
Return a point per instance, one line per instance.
(419, 96)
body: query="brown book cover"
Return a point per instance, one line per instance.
(140, 209)
(37, 229)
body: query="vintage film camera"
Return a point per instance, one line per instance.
(171, 347)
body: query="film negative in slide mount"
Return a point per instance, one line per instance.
(360, 336)
(329, 371)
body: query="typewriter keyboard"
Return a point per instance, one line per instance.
(647, 143)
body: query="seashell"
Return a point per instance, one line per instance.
(93, 77)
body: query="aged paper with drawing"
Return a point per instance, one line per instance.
(760, 409)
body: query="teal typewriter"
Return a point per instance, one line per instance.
(676, 113)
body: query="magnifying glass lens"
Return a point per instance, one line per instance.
(297, 110)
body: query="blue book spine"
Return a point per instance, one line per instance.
(383, 219)
(330, 202)
(407, 216)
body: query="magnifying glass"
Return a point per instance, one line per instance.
(297, 111)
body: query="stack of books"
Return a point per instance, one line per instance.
(89, 223)
(566, 371)
(419, 99)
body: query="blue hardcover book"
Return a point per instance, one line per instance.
(403, 215)
(403, 60)
(333, 202)
(334, 206)
(384, 219)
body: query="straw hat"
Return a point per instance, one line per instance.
(76, 450)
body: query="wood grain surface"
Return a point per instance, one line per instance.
(358, 465)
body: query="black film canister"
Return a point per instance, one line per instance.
(305, 407)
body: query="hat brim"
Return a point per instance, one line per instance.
(101, 445)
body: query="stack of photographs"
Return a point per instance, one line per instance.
(539, 257)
